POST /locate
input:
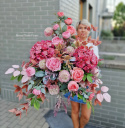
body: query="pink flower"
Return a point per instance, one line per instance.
(55, 27)
(91, 96)
(53, 64)
(36, 92)
(70, 50)
(68, 21)
(56, 40)
(71, 29)
(66, 35)
(73, 86)
(48, 31)
(60, 14)
(42, 64)
(64, 76)
(41, 50)
(77, 74)
(27, 73)
(95, 71)
(53, 89)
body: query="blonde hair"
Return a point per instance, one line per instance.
(84, 22)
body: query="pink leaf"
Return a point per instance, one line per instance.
(100, 97)
(16, 73)
(107, 97)
(10, 70)
(104, 88)
(15, 66)
(24, 79)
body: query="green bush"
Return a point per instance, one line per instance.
(107, 34)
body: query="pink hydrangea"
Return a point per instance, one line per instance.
(48, 31)
(42, 50)
(55, 27)
(64, 76)
(36, 92)
(66, 35)
(68, 21)
(53, 64)
(85, 58)
(71, 29)
(56, 40)
(73, 86)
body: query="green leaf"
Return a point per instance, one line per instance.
(99, 63)
(60, 36)
(30, 95)
(64, 28)
(12, 78)
(84, 78)
(63, 87)
(19, 77)
(92, 107)
(88, 105)
(86, 96)
(32, 101)
(39, 99)
(43, 90)
(40, 74)
(89, 78)
(84, 99)
(29, 86)
(73, 37)
(80, 96)
(57, 32)
(36, 104)
(37, 87)
(90, 74)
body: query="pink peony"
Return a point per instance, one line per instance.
(53, 64)
(68, 21)
(27, 73)
(53, 89)
(71, 29)
(56, 40)
(66, 35)
(36, 92)
(73, 86)
(77, 74)
(60, 14)
(48, 31)
(55, 27)
(64, 76)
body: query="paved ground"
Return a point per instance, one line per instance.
(34, 118)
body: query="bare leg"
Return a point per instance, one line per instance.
(75, 107)
(85, 115)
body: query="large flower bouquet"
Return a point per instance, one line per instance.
(61, 65)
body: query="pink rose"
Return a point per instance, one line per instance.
(71, 29)
(55, 27)
(73, 86)
(53, 89)
(64, 76)
(53, 64)
(48, 31)
(68, 21)
(56, 40)
(60, 14)
(66, 34)
(95, 72)
(36, 92)
(77, 74)
(70, 50)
